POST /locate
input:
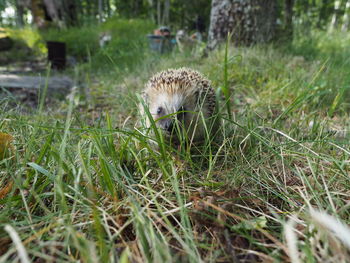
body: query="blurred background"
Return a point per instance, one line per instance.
(85, 27)
(97, 45)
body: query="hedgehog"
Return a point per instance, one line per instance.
(181, 100)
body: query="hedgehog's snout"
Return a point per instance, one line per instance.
(176, 117)
(167, 124)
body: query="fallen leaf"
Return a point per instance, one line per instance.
(5, 144)
(5, 243)
(5, 190)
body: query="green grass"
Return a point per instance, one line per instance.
(88, 186)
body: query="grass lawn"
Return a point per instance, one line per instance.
(83, 185)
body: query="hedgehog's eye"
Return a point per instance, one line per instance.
(159, 110)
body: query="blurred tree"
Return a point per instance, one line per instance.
(335, 17)
(163, 12)
(53, 11)
(288, 18)
(325, 8)
(70, 11)
(151, 9)
(100, 10)
(38, 13)
(346, 19)
(135, 8)
(192, 15)
(20, 5)
(251, 21)
(166, 12)
(159, 12)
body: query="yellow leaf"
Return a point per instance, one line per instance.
(4, 191)
(5, 145)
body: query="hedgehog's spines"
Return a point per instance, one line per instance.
(184, 77)
(183, 80)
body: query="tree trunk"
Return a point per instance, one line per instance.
(158, 12)
(70, 12)
(100, 11)
(38, 13)
(95, 10)
(288, 18)
(48, 11)
(151, 10)
(334, 21)
(20, 6)
(346, 19)
(89, 8)
(165, 20)
(249, 22)
(108, 9)
(53, 11)
(323, 13)
(137, 4)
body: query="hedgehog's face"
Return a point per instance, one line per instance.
(181, 102)
(172, 111)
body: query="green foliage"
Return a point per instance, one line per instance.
(129, 43)
(29, 37)
(333, 51)
(79, 41)
(126, 48)
(322, 45)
